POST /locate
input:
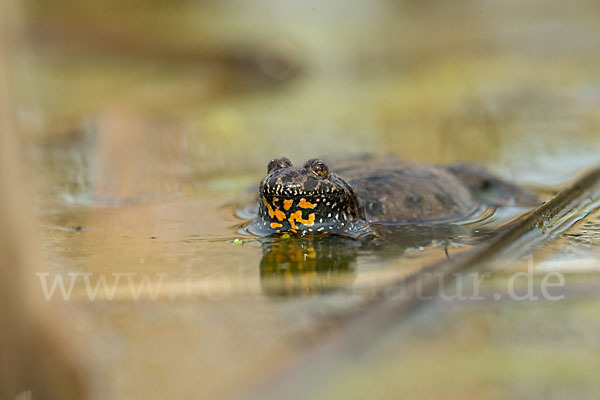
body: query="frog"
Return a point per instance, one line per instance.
(348, 196)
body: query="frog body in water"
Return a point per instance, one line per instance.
(356, 193)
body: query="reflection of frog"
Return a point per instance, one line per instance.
(311, 200)
(307, 265)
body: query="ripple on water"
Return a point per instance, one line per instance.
(309, 265)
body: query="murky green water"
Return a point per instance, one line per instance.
(149, 126)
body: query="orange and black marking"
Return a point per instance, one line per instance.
(304, 201)
(274, 212)
(297, 216)
(306, 204)
(277, 216)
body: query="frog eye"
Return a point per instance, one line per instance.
(318, 167)
(278, 163)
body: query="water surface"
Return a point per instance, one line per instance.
(149, 127)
